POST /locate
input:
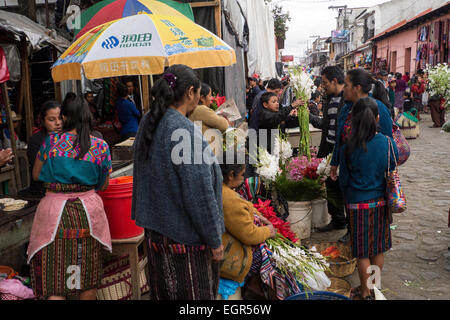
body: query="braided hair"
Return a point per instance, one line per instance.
(167, 91)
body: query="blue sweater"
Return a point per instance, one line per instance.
(384, 126)
(181, 201)
(366, 178)
(128, 116)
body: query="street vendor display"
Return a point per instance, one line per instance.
(439, 90)
(260, 246)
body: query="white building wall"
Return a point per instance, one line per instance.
(390, 13)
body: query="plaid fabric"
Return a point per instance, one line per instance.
(362, 206)
(180, 272)
(52, 268)
(402, 145)
(264, 265)
(369, 230)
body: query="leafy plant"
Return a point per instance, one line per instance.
(280, 20)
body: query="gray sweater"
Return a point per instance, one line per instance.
(181, 201)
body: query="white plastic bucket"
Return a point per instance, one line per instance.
(320, 216)
(300, 214)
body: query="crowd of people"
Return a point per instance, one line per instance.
(196, 223)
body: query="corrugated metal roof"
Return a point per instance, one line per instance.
(38, 35)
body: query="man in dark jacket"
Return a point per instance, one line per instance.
(254, 90)
(333, 83)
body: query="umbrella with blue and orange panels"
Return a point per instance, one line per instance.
(109, 10)
(142, 44)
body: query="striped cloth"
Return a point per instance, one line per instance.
(369, 228)
(54, 268)
(180, 272)
(332, 112)
(265, 266)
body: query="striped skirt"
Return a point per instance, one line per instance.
(72, 263)
(369, 228)
(180, 272)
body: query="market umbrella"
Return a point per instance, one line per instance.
(109, 10)
(142, 44)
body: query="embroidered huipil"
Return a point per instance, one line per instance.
(61, 166)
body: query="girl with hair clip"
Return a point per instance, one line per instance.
(176, 198)
(363, 163)
(70, 225)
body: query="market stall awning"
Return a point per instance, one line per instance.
(109, 10)
(38, 35)
(142, 44)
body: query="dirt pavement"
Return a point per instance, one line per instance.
(418, 265)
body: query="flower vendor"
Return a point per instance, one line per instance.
(363, 163)
(179, 204)
(73, 165)
(208, 118)
(241, 233)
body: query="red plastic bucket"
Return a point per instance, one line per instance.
(117, 203)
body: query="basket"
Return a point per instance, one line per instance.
(116, 281)
(318, 295)
(340, 286)
(6, 270)
(339, 269)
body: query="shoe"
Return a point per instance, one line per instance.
(331, 226)
(345, 238)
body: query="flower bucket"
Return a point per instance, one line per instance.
(320, 216)
(300, 213)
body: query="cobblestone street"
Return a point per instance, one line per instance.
(418, 266)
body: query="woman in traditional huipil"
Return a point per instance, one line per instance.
(70, 226)
(177, 193)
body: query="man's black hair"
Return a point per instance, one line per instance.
(334, 72)
(274, 84)
(266, 97)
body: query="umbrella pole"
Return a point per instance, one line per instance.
(141, 107)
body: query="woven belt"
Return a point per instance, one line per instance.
(365, 206)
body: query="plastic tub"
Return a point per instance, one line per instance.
(117, 202)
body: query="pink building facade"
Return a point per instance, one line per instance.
(411, 45)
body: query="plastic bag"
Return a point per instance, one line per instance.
(229, 110)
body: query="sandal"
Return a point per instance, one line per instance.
(356, 292)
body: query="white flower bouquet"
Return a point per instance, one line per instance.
(268, 165)
(306, 265)
(303, 88)
(282, 148)
(439, 81)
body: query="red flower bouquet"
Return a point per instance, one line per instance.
(269, 213)
(217, 101)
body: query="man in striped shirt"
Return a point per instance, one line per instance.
(333, 83)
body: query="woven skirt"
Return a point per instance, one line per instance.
(180, 272)
(72, 263)
(369, 228)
